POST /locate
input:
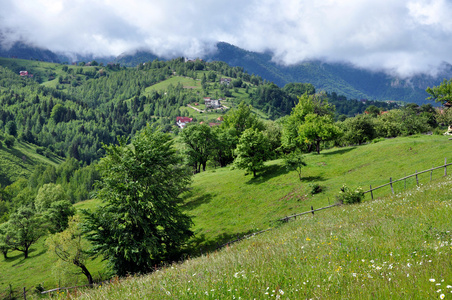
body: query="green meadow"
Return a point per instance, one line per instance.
(396, 247)
(305, 258)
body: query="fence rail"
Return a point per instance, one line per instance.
(391, 182)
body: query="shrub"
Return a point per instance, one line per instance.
(9, 141)
(348, 196)
(315, 188)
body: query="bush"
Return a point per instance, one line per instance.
(9, 141)
(315, 188)
(348, 196)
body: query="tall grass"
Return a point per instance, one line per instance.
(397, 247)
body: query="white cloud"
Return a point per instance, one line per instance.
(404, 37)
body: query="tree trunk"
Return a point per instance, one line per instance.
(254, 173)
(84, 270)
(5, 254)
(317, 145)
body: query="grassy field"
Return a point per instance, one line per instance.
(397, 247)
(225, 203)
(42, 268)
(20, 160)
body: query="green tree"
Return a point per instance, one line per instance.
(358, 130)
(140, 222)
(48, 194)
(251, 151)
(25, 227)
(242, 118)
(11, 128)
(373, 111)
(200, 142)
(441, 93)
(71, 248)
(295, 161)
(307, 105)
(317, 129)
(4, 240)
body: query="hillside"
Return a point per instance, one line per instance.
(235, 204)
(396, 247)
(341, 78)
(225, 203)
(20, 160)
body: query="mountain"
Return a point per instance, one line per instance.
(24, 51)
(344, 79)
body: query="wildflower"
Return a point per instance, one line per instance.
(449, 286)
(308, 239)
(432, 279)
(441, 296)
(281, 292)
(168, 293)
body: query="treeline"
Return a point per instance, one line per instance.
(246, 141)
(74, 180)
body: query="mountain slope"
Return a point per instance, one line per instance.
(341, 78)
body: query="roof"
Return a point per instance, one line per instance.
(184, 119)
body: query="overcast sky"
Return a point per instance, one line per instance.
(404, 37)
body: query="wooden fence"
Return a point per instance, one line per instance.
(391, 182)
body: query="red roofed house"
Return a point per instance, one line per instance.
(182, 121)
(23, 73)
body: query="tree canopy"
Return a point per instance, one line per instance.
(140, 222)
(441, 93)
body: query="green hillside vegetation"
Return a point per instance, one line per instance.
(96, 105)
(225, 203)
(20, 160)
(393, 248)
(42, 268)
(343, 79)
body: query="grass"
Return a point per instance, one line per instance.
(397, 247)
(20, 160)
(186, 82)
(225, 203)
(42, 268)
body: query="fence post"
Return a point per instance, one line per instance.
(431, 174)
(445, 166)
(405, 180)
(417, 179)
(371, 193)
(390, 182)
(312, 210)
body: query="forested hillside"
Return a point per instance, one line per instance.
(77, 108)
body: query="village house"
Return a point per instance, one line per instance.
(23, 73)
(226, 81)
(212, 103)
(183, 121)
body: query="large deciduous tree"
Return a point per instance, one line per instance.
(310, 123)
(251, 151)
(25, 227)
(199, 140)
(140, 222)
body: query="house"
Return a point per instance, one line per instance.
(23, 73)
(212, 103)
(226, 81)
(183, 121)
